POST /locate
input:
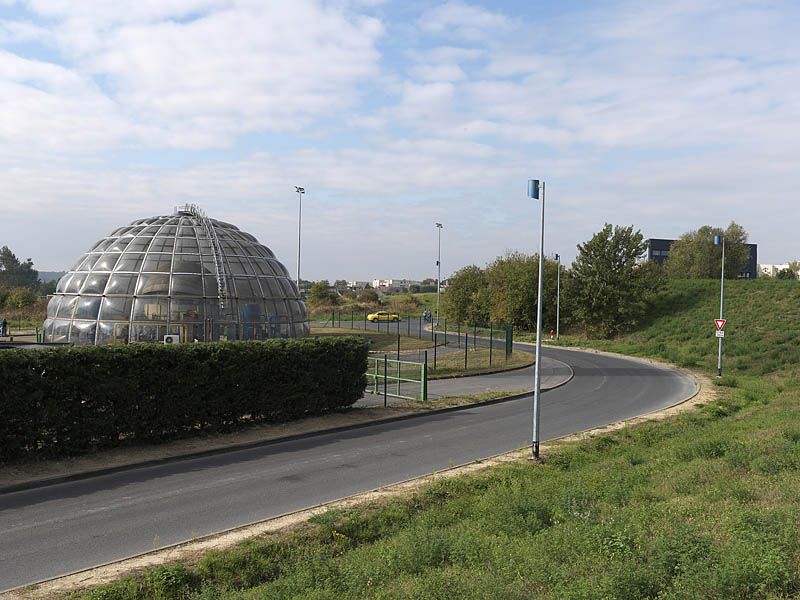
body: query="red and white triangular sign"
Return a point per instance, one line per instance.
(720, 323)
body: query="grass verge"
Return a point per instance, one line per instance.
(379, 341)
(452, 363)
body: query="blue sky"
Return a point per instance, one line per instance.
(396, 115)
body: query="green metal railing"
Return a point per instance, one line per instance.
(395, 378)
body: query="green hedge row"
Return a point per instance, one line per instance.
(66, 401)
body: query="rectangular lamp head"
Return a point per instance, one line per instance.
(533, 188)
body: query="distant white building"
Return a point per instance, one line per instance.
(357, 286)
(394, 285)
(772, 270)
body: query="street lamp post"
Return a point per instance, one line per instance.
(534, 189)
(720, 240)
(438, 272)
(300, 191)
(558, 294)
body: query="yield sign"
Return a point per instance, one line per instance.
(720, 323)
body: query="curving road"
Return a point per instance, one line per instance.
(64, 527)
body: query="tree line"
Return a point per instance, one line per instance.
(19, 282)
(606, 291)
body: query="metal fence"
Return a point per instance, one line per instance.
(497, 340)
(393, 378)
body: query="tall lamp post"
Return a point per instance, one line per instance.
(438, 272)
(535, 189)
(558, 294)
(720, 241)
(300, 191)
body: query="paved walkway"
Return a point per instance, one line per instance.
(554, 373)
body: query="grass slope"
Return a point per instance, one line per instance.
(762, 333)
(703, 505)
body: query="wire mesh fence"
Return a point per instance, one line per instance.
(451, 349)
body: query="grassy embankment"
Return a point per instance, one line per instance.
(702, 505)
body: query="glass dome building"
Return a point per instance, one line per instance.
(185, 276)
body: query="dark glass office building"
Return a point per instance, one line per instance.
(658, 250)
(185, 276)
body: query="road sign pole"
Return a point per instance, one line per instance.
(721, 308)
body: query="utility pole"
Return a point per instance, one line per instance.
(300, 191)
(438, 272)
(558, 295)
(534, 188)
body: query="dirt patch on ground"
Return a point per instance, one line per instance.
(191, 551)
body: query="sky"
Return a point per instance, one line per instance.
(394, 116)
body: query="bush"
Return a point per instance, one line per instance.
(369, 297)
(20, 298)
(66, 401)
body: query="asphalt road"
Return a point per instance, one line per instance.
(57, 529)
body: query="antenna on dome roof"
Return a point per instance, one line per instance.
(208, 225)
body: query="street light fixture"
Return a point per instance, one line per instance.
(438, 272)
(300, 191)
(534, 189)
(720, 241)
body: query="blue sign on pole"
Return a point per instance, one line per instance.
(533, 188)
(717, 240)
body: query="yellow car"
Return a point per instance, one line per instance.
(382, 315)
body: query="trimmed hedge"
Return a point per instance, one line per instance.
(67, 401)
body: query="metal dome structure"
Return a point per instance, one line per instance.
(186, 276)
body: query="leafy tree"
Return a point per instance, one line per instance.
(611, 290)
(694, 255)
(504, 292)
(786, 274)
(465, 298)
(429, 281)
(15, 274)
(340, 284)
(47, 287)
(414, 288)
(321, 294)
(513, 285)
(20, 298)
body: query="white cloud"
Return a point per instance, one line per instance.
(15, 32)
(199, 74)
(461, 20)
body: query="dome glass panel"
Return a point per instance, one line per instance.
(183, 275)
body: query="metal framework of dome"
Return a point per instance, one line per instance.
(184, 275)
